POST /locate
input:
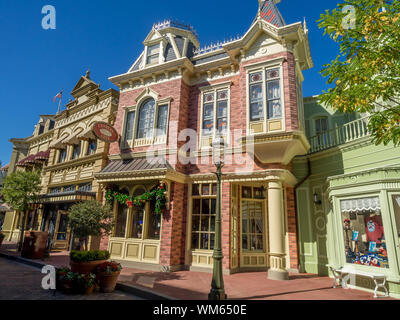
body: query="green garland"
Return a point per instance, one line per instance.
(157, 195)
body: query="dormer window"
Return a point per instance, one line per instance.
(153, 53)
(41, 129)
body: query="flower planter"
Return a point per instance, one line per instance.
(67, 287)
(85, 267)
(108, 281)
(89, 291)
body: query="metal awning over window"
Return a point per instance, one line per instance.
(73, 139)
(59, 143)
(73, 196)
(363, 204)
(86, 134)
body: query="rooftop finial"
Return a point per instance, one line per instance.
(88, 73)
(305, 26)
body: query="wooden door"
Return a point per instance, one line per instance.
(61, 232)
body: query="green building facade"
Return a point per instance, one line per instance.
(348, 203)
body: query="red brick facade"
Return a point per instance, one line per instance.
(185, 110)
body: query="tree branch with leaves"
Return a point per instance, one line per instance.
(366, 73)
(20, 190)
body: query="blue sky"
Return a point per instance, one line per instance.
(107, 36)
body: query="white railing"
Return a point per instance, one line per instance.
(214, 46)
(344, 134)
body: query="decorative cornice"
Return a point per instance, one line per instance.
(75, 163)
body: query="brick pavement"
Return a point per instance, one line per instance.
(186, 285)
(22, 282)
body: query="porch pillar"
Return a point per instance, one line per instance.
(276, 215)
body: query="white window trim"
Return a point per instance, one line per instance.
(277, 63)
(215, 89)
(158, 102)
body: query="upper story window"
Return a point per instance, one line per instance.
(76, 152)
(51, 124)
(153, 53)
(92, 147)
(321, 125)
(268, 82)
(63, 156)
(148, 124)
(146, 119)
(215, 113)
(265, 100)
(41, 129)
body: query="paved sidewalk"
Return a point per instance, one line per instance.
(22, 282)
(187, 285)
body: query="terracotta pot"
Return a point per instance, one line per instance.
(89, 291)
(108, 281)
(67, 287)
(85, 267)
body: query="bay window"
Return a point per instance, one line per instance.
(265, 100)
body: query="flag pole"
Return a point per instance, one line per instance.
(59, 103)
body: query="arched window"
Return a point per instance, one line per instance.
(146, 119)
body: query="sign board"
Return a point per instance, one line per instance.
(104, 132)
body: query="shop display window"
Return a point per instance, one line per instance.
(363, 231)
(203, 217)
(396, 206)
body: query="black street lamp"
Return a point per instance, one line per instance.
(217, 285)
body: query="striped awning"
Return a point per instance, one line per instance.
(59, 143)
(34, 158)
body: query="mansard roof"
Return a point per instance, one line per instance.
(269, 12)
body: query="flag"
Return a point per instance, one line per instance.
(59, 95)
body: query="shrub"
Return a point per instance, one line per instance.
(88, 256)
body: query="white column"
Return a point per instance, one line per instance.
(276, 215)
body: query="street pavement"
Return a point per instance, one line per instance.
(23, 282)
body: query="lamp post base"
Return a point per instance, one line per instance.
(280, 275)
(216, 294)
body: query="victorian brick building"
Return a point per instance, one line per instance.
(174, 100)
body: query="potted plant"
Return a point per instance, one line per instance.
(87, 283)
(108, 273)
(2, 236)
(85, 262)
(67, 281)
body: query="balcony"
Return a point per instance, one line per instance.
(349, 132)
